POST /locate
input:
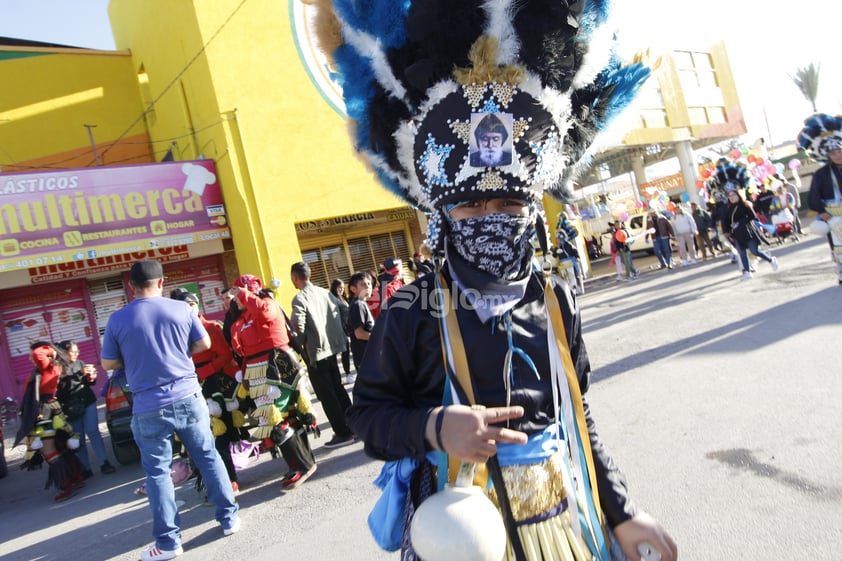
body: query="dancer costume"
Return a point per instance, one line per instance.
(418, 77)
(217, 370)
(272, 376)
(42, 419)
(822, 134)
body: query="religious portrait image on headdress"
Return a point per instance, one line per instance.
(491, 139)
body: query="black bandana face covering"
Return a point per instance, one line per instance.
(494, 243)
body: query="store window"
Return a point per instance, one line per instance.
(695, 70)
(356, 254)
(716, 115)
(107, 296)
(53, 314)
(327, 263)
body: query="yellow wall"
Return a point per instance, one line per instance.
(48, 98)
(283, 154)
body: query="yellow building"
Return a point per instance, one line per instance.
(233, 87)
(230, 93)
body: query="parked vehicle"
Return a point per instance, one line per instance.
(637, 231)
(4, 469)
(118, 417)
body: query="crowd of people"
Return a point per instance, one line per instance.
(217, 385)
(738, 222)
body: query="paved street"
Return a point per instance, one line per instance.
(719, 398)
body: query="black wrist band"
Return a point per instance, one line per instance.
(439, 422)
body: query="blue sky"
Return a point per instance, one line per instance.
(77, 23)
(766, 41)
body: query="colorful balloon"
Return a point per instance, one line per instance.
(685, 197)
(794, 164)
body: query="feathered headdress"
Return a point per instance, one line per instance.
(728, 176)
(453, 100)
(821, 134)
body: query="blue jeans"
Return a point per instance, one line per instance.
(662, 251)
(754, 246)
(190, 420)
(88, 425)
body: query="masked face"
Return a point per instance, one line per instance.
(497, 244)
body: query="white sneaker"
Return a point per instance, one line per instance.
(774, 263)
(152, 553)
(746, 276)
(235, 527)
(693, 261)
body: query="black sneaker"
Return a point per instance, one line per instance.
(86, 474)
(107, 468)
(338, 441)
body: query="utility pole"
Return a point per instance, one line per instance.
(769, 134)
(93, 144)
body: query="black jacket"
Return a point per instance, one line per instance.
(402, 377)
(821, 188)
(75, 387)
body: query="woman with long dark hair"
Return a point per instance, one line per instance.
(337, 288)
(78, 402)
(740, 230)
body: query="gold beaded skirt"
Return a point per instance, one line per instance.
(538, 504)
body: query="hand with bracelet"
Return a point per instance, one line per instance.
(470, 433)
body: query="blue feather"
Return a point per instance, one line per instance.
(622, 85)
(358, 88)
(594, 15)
(383, 19)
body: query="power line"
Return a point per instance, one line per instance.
(174, 80)
(168, 141)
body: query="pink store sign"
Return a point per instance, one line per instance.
(48, 218)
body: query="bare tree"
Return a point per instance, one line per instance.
(807, 80)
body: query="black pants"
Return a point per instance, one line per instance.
(327, 383)
(346, 357)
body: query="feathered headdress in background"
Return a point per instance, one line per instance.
(729, 175)
(821, 134)
(420, 79)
